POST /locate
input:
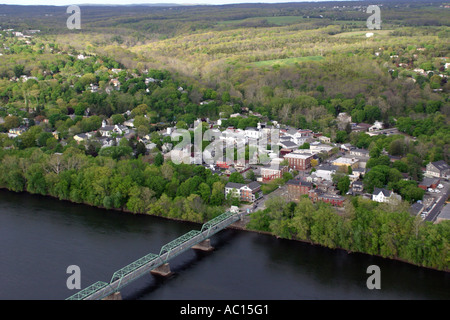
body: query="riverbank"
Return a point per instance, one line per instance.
(239, 225)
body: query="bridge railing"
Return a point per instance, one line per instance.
(136, 269)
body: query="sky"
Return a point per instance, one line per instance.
(115, 2)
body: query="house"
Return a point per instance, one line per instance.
(346, 162)
(273, 171)
(106, 141)
(438, 169)
(325, 172)
(357, 186)
(81, 137)
(360, 153)
(245, 192)
(299, 161)
(317, 195)
(297, 188)
(14, 132)
(252, 133)
(324, 139)
(427, 183)
(346, 147)
(130, 123)
(361, 127)
(416, 208)
(288, 145)
(108, 131)
(319, 148)
(376, 126)
(386, 196)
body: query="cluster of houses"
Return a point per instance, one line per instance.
(441, 72)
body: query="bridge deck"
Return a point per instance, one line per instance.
(144, 265)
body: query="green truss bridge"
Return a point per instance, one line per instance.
(156, 263)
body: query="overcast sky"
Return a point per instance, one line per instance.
(78, 2)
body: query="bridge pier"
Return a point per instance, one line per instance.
(205, 245)
(114, 296)
(163, 270)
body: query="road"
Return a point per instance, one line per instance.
(439, 202)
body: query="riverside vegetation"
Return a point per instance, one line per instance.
(295, 63)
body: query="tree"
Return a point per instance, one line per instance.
(343, 184)
(159, 159)
(236, 177)
(204, 191)
(341, 136)
(11, 122)
(18, 70)
(118, 118)
(251, 175)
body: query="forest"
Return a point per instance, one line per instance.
(365, 226)
(301, 64)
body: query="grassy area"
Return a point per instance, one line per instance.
(287, 61)
(362, 33)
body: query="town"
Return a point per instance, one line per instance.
(306, 164)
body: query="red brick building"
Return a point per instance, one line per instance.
(297, 188)
(335, 200)
(299, 161)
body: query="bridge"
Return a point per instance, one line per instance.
(156, 263)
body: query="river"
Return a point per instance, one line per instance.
(40, 237)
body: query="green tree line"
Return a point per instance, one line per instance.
(365, 226)
(185, 192)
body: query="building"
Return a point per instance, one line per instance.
(297, 188)
(325, 172)
(250, 192)
(299, 161)
(334, 200)
(429, 183)
(324, 139)
(245, 192)
(438, 169)
(376, 126)
(346, 162)
(445, 214)
(360, 153)
(288, 145)
(416, 208)
(357, 186)
(386, 196)
(319, 148)
(273, 171)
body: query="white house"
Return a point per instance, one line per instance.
(376, 126)
(253, 133)
(386, 196)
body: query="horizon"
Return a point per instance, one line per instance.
(150, 2)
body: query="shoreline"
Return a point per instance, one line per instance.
(239, 225)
